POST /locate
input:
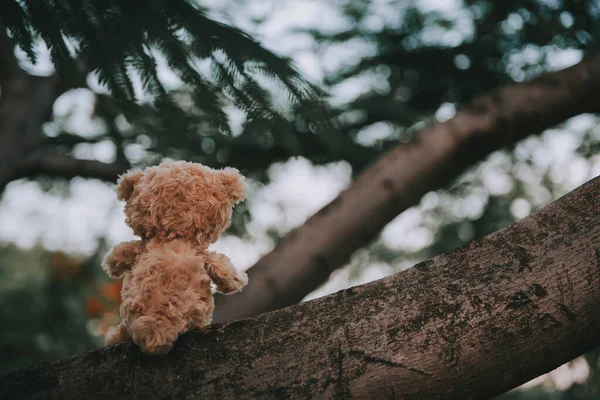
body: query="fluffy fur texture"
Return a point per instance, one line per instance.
(177, 209)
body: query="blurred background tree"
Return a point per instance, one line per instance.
(390, 68)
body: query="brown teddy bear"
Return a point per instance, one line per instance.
(177, 209)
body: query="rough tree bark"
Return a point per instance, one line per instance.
(469, 324)
(307, 256)
(25, 104)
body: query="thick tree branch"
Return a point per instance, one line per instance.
(469, 324)
(306, 257)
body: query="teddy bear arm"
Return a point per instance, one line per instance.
(122, 257)
(225, 276)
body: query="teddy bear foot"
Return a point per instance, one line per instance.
(120, 334)
(153, 337)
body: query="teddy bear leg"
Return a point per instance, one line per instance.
(155, 336)
(120, 334)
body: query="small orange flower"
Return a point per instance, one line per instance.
(93, 307)
(112, 291)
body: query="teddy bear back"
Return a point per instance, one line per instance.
(180, 200)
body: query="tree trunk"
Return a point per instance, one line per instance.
(307, 256)
(25, 104)
(469, 324)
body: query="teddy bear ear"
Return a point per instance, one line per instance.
(234, 184)
(127, 182)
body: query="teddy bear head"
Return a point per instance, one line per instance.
(180, 200)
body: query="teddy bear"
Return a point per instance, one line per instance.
(177, 209)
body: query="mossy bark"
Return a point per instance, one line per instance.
(468, 324)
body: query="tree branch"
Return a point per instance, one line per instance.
(305, 258)
(62, 166)
(469, 324)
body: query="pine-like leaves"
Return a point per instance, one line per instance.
(118, 40)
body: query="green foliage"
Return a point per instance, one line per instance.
(42, 306)
(429, 58)
(414, 72)
(119, 40)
